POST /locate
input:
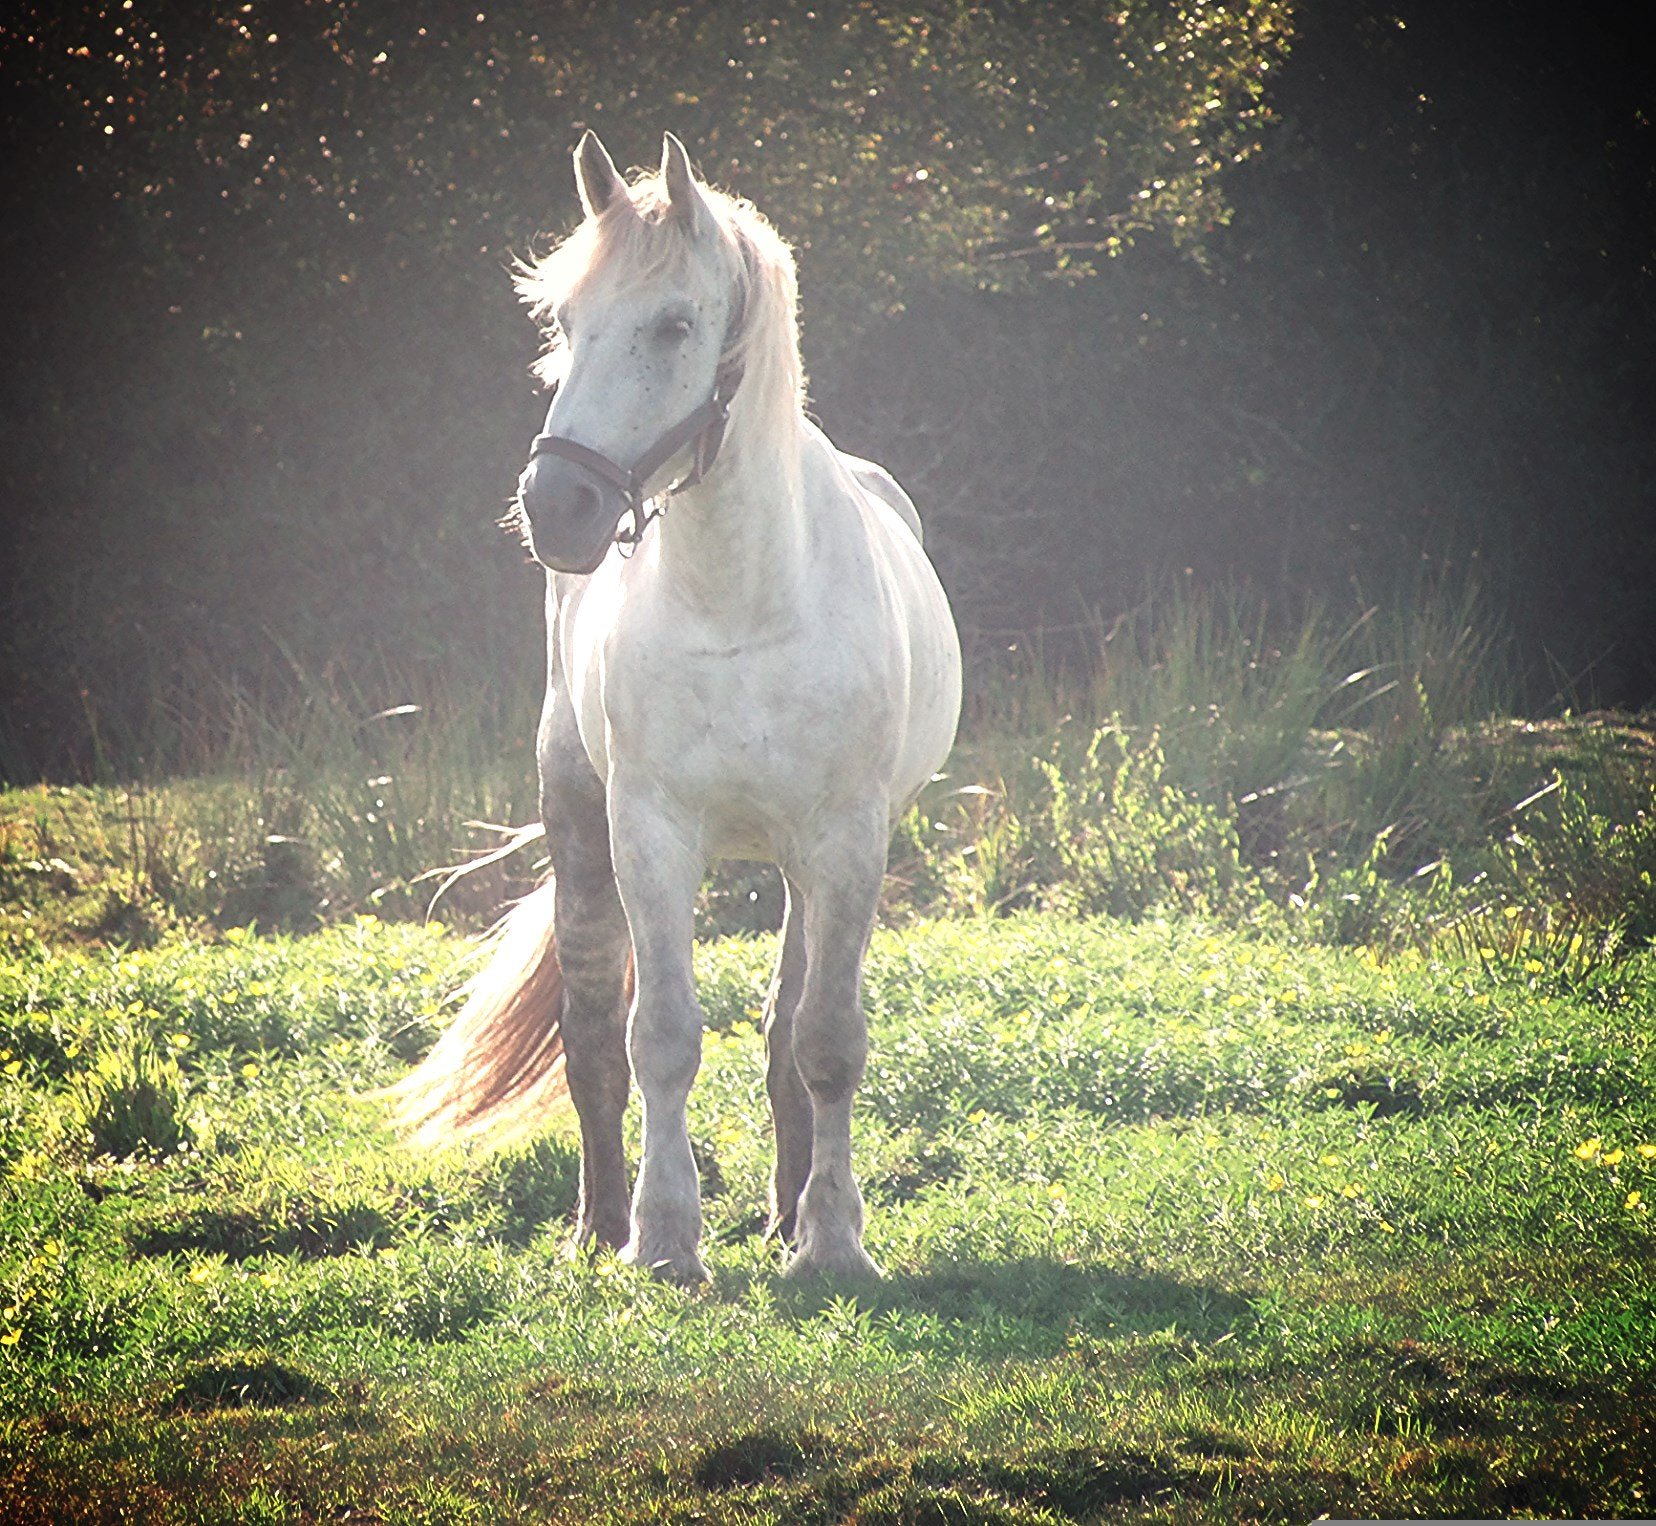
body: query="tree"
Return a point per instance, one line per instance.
(937, 139)
(267, 379)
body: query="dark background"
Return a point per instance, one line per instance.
(253, 431)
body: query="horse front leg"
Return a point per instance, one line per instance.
(830, 1042)
(659, 867)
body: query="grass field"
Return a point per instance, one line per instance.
(1180, 1223)
(1259, 1124)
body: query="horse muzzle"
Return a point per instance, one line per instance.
(569, 514)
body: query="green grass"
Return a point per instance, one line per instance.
(1180, 1223)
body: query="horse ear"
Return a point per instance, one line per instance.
(683, 194)
(596, 176)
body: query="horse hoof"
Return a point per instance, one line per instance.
(847, 1261)
(587, 1243)
(685, 1268)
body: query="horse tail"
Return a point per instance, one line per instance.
(498, 1068)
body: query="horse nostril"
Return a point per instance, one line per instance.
(563, 497)
(585, 501)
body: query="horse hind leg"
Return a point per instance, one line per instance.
(790, 1102)
(594, 951)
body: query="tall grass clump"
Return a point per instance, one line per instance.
(1574, 877)
(308, 808)
(1354, 773)
(1355, 776)
(133, 1101)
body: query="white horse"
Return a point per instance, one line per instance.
(750, 657)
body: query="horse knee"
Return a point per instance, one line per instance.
(830, 1055)
(665, 1049)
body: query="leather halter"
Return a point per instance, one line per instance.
(705, 426)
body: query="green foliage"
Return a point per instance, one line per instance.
(1356, 785)
(313, 809)
(1587, 850)
(1353, 783)
(818, 110)
(1130, 842)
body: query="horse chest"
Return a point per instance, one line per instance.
(743, 735)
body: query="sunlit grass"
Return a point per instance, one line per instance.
(1178, 1222)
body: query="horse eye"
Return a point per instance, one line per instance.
(674, 330)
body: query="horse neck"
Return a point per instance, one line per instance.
(735, 544)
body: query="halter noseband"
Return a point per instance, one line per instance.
(705, 426)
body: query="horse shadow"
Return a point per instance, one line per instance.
(1017, 1306)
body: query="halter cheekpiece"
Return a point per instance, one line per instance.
(705, 426)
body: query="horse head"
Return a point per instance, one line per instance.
(651, 291)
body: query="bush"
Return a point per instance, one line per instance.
(1130, 842)
(1592, 860)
